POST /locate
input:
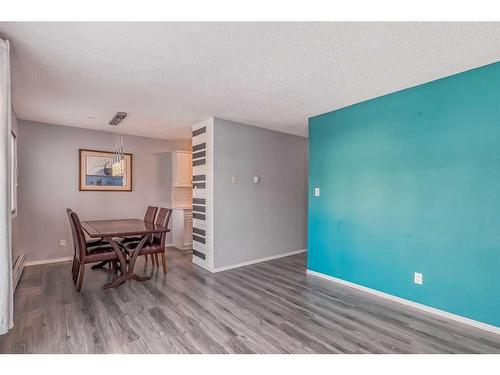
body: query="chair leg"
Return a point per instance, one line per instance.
(156, 260)
(146, 257)
(80, 277)
(164, 262)
(73, 266)
(152, 259)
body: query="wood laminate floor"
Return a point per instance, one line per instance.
(271, 307)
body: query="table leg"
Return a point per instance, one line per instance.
(123, 264)
(137, 251)
(127, 270)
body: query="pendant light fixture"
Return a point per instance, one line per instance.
(118, 166)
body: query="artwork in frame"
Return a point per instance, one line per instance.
(96, 172)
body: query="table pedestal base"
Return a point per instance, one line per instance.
(126, 265)
(121, 279)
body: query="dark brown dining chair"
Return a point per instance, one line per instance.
(72, 226)
(89, 243)
(85, 254)
(149, 217)
(150, 214)
(163, 219)
(92, 241)
(156, 245)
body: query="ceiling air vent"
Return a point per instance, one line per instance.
(118, 118)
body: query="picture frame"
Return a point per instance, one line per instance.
(95, 172)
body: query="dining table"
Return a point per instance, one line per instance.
(114, 230)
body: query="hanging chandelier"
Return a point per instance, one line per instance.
(118, 162)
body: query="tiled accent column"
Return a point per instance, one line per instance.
(203, 161)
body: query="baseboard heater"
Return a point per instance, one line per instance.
(17, 270)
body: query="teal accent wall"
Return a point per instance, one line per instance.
(410, 182)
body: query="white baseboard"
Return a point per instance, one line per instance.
(57, 260)
(415, 305)
(183, 248)
(202, 263)
(47, 261)
(225, 268)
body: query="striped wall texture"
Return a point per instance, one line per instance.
(203, 244)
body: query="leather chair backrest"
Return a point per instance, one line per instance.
(80, 236)
(150, 214)
(74, 235)
(162, 219)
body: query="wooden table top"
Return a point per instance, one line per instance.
(121, 228)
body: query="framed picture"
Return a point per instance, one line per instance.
(96, 172)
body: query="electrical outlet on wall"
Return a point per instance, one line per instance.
(234, 179)
(62, 243)
(316, 192)
(418, 278)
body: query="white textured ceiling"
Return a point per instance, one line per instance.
(169, 76)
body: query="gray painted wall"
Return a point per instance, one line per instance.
(253, 221)
(48, 184)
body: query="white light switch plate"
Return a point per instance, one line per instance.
(316, 192)
(62, 242)
(418, 278)
(234, 179)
